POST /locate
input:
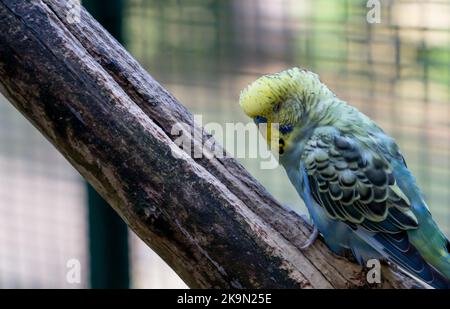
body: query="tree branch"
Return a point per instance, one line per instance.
(207, 218)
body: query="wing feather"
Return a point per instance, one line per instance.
(356, 185)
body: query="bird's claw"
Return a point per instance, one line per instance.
(394, 266)
(312, 238)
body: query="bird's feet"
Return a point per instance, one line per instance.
(312, 238)
(393, 266)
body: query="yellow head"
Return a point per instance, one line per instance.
(282, 99)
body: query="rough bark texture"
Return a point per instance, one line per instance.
(207, 218)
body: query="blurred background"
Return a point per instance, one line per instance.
(205, 52)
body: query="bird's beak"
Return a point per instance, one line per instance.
(271, 134)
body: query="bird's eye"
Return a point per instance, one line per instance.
(260, 119)
(285, 128)
(276, 108)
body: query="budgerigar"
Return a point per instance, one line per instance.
(351, 175)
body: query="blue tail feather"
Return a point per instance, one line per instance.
(400, 251)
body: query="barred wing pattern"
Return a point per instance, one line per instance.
(356, 185)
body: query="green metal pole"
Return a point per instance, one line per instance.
(108, 234)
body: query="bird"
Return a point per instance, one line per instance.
(359, 193)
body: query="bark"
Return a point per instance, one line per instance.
(211, 221)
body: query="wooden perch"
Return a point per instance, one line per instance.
(207, 218)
